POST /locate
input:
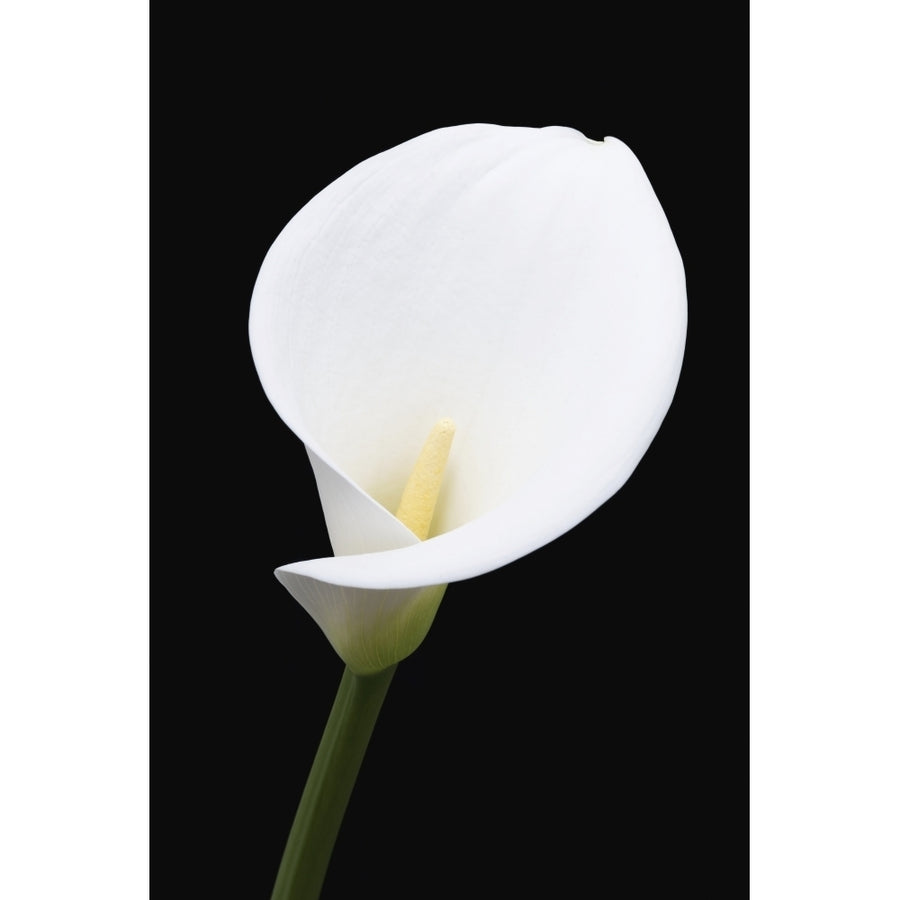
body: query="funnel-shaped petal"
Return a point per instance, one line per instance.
(522, 282)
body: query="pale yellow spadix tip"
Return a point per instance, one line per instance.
(420, 495)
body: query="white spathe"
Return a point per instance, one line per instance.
(523, 282)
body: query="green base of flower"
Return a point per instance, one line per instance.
(330, 783)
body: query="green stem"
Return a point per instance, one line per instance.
(330, 784)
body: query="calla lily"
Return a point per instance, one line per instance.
(523, 282)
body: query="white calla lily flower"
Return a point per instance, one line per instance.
(523, 282)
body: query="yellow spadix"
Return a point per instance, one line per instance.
(421, 493)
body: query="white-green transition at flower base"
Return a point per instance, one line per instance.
(521, 282)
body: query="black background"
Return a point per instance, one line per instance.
(573, 719)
